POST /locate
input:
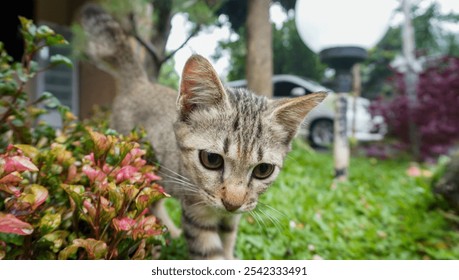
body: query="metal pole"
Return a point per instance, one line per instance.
(341, 151)
(356, 91)
(341, 143)
(411, 76)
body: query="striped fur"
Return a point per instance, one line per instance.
(244, 129)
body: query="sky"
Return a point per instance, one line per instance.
(316, 13)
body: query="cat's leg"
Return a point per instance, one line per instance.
(200, 228)
(159, 210)
(228, 233)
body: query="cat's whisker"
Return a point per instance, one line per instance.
(177, 180)
(198, 203)
(289, 157)
(173, 172)
(273, 214)
(264, 227)
(173, 179)
(254, 216)
(272, 209)
(275, 222)
(184, 187)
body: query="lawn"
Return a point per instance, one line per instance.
(381, 213)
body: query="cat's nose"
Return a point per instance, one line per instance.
(229, 206)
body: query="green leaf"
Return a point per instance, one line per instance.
(17, 122)
(44, 96)
(60, 59)
(68, 252)
(33, 68)
(32, 30)
(28, 31)
(95, 249)
(8, 88)
(46, 255)
(52, 103)
(55, 239)
(28, 150)
(11, 238)
(23, 77)
(44, 31)
(75, 192)
(25, 23)
(57, 39)
(116, 197)
(50, 222)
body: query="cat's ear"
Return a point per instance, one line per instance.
(290, 112)
(200, 86)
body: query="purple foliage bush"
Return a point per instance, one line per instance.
(436, 113)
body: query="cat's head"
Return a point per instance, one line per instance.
(232, 141)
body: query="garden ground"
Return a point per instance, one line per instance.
(381, 213)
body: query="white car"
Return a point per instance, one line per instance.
(318, 125)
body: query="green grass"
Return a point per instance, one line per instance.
(381, 213)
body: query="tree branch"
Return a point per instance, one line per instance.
(193, 33)
(147, 45)
(157, 57)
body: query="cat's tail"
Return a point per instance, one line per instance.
(108, 44)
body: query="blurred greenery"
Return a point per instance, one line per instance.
(381, 213)
(168, 76)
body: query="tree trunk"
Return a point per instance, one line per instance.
(259, 65)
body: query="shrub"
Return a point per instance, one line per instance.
(435, 115)
(78, 193)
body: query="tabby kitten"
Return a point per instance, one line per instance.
(219, 148)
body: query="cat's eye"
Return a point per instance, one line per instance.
(210, 160)
(263, 171)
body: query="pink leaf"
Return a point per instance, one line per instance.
(90, 158)
(93, 174)
(161, 190)
(147, 227)
(19, 163)
(151, 176)
(40, 194)
(102, 143)
(11, 190)
(10, 224)
(124, 224)
(126, 173)
(72, 173)
(134, 156)
(90, 208)
(11, 179)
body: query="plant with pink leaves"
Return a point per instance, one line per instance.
(82, 193)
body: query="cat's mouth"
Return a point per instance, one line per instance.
(228, 208)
